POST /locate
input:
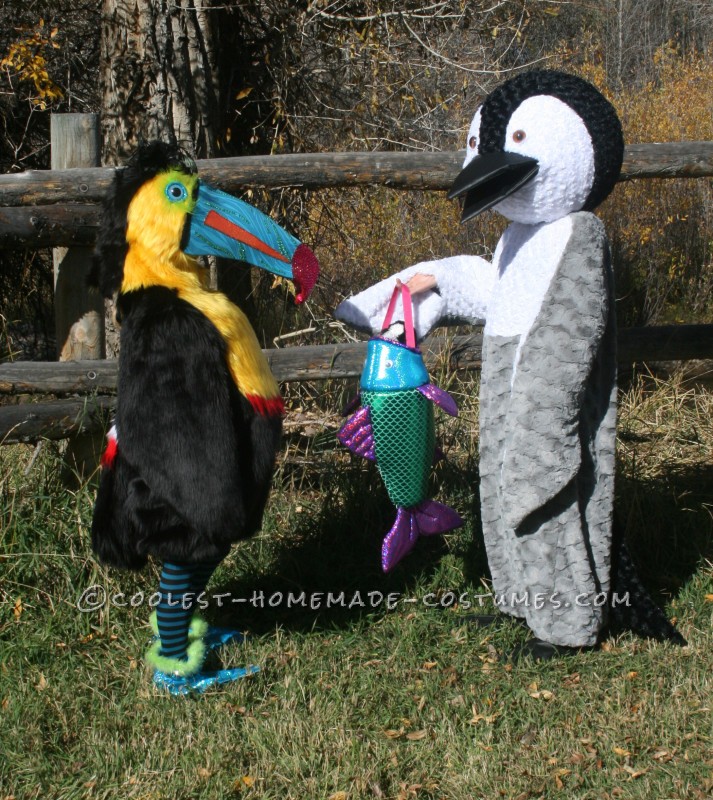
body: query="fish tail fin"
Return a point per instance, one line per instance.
(425, 519)
(433, 517)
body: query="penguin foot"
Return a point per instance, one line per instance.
(539, 650)
(490, 620)
(482, 620)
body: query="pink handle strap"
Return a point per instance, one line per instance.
(408, 312)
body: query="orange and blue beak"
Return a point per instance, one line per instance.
(223, 225)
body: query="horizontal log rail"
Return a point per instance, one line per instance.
(58, 419)
(41, 208)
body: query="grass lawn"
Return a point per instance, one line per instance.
(356, 698)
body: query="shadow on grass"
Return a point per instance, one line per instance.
(333, 546)
(668, 523)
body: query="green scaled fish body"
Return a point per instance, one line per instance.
(395, 428)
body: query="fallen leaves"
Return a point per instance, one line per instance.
(570, 681)
(662, 755)
(242, 783)
(409, 790)
(633, 773)
(477, 717)
(540, 694)
(561, 773)
(411, 736)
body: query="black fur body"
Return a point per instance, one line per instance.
(195, 461)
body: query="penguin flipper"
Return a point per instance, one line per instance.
(638, 613)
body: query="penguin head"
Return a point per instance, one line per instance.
(542, 145)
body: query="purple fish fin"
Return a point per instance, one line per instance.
(351, 406)
(400, 540)
(440, 397)
(426, 519)
(358, 435)
(433, 517)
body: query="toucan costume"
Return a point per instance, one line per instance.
(189, 461)
(544, 149)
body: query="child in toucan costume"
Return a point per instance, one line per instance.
(544, 149)
(189, 461)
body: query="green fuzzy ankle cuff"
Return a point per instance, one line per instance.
(198, 629)
(178, 666)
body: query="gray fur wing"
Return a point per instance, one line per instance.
(543, 450)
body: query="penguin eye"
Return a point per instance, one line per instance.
(176, 192)
(472, 142)
(519, 136)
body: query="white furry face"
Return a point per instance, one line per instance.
(472, 143)
(548, 130)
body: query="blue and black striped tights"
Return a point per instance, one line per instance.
(173, 614)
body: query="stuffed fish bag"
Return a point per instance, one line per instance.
(394, 427)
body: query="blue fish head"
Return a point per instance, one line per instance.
(391, 366)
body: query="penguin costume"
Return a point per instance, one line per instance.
(544, 149)
(189, 462)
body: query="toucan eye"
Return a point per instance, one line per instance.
(519, 136)
(472, 142)
(176, 192)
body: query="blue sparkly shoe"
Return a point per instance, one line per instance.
(201, 681)
(183, 676)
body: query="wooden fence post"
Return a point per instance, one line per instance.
(79, 312)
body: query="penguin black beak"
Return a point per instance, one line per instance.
(490, 178)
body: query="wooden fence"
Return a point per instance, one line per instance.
(60, 207)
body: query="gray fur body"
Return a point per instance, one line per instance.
(547, 447)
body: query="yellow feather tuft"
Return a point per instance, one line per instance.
(246, 361)
(153, 233)
(154, 227)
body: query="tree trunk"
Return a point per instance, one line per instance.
(159, 81)
(158, 76)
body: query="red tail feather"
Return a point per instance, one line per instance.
(267, 406)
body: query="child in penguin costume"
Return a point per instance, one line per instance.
(544, 149)
(189, 462)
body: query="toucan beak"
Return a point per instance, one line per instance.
(490, 178)
(223, 225)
